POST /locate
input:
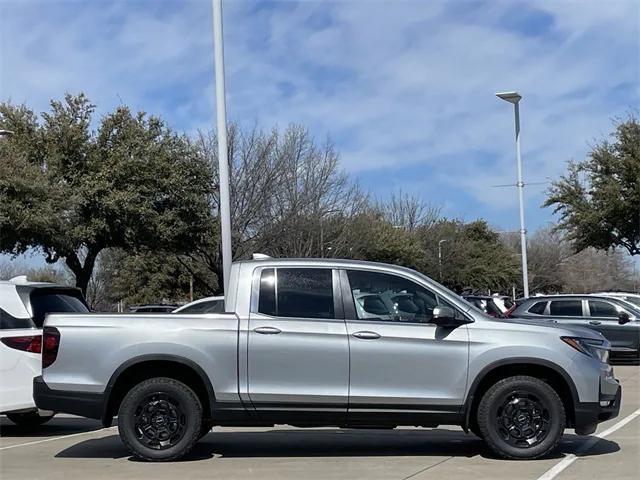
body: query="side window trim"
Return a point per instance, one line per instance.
(349, 307)
(338, 303)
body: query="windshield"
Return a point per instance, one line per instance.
(634, 300)
(466, 305)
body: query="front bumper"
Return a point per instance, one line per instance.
(84, 404)
(589, 414)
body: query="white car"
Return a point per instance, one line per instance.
(23, 306)
(204, 305)
(632, 298)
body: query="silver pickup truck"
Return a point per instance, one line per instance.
(328, 343)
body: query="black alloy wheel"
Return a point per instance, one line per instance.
(521, 417)
(523, 420)
(160, 421)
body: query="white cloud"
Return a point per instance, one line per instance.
(399, 86)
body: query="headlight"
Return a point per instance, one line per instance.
(589, 346)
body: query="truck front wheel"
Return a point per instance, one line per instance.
(160, 419)
(521, 417)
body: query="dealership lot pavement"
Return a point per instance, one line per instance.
(69, 446)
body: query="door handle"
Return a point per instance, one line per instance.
(267, 330)
(367, 335)
(594, 322)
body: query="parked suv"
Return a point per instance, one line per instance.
(23, 306)
(499, 306)
(295, 348)
(616, 319)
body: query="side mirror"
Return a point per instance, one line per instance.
(446, 317)
(623, 317)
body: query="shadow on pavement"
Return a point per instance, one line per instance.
(55, 426)
(330, 443)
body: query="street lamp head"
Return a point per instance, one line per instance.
(511, 97)
(5, 133)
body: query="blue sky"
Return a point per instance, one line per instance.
(405, 88)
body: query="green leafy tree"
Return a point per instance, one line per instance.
(599, 198)
(71, 191)
(473, 257)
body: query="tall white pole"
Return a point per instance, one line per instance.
(523, 231)
(223, 161)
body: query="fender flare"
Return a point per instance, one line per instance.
(106, 419)
(514, 361)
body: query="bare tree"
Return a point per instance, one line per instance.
(409, 211)
(288, 196)
(592, 270)
(554, 267)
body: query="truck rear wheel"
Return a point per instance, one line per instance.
(160, 419)
(521, 417)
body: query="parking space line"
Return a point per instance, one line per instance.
(54, 438)
(554, 471)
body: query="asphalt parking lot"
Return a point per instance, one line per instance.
(71, 447)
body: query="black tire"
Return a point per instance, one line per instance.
(160, 420)
(29, 419)
(475, 430)
(521, 417)
(205, 428)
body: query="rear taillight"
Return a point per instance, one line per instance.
(28, 343)
(50, 344)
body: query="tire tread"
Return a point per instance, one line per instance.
(484, 417)
(195, 436)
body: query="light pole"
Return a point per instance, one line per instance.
(223, 161)
(440, 242)
(514, 98)
(6, 133)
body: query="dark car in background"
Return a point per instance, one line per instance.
(617, 320)
(499, 306)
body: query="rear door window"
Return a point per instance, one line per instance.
(296, 292)
(55, 301)
(305, 293)
(566, 308)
